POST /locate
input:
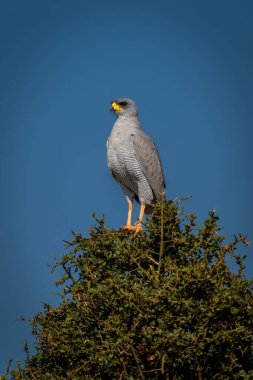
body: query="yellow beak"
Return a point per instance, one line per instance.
(116, 107)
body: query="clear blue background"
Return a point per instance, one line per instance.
(189, 67)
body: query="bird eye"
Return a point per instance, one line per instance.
(123, 104)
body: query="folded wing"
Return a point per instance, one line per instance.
(148, 157)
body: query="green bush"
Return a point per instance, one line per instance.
(163, 304)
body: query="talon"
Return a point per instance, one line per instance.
(128, 227)
(138, 228)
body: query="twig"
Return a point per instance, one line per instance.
(153, 260)
(69, 273)
(162, 242)
(5, 376)
(137, 362)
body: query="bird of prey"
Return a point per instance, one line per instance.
(134, 161)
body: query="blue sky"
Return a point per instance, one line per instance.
(188, 66)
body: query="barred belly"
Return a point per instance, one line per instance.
(126, 170)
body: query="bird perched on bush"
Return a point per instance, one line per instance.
(134, 161)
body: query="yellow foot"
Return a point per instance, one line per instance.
(129, 227)
(138, 228)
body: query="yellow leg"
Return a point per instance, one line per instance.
(129, 216)
(142, 212)
(138, 225)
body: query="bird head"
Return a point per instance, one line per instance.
(123, 106)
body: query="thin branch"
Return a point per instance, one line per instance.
(137, 362)
(162, 242)
(153, 261)
(68, 271)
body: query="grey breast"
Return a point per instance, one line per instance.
(125, 153)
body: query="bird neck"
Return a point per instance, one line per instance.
(128, 121)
